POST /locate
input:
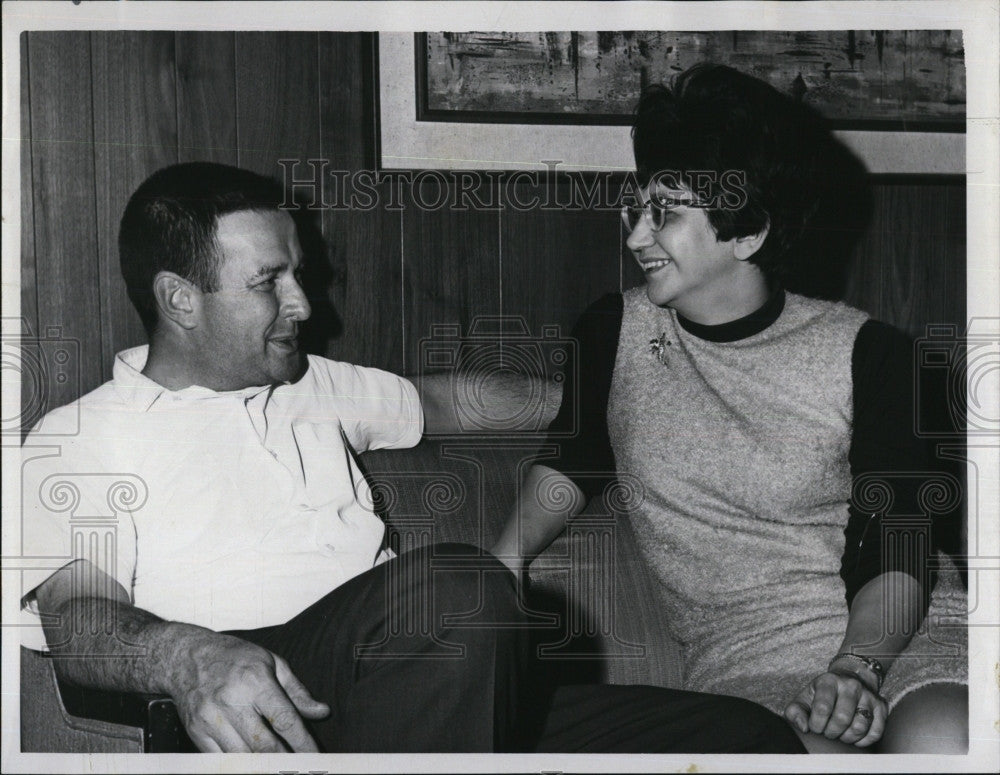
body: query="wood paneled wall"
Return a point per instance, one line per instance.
(103, 110)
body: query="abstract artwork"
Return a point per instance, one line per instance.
(893, 79)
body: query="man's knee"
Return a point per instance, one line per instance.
(458, 585)
(471, 587)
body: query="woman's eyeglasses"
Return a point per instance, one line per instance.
(657, 210)
(632, 214)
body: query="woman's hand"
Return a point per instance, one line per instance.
(839, 706)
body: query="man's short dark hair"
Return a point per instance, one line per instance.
(717, 120)
(170, 223)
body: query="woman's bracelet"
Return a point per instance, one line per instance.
(872, 664)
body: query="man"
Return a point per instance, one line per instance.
(252, 584)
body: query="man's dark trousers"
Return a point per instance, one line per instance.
(429, 652)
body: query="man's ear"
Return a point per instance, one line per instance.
(177, 299)
(744, 247)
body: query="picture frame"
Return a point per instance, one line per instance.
(487, 142)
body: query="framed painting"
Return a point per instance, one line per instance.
(892, 80)
(523, 100)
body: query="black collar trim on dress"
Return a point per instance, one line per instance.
(742, 328)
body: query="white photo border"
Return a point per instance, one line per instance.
(981, 30)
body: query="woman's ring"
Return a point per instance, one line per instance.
(865, 713)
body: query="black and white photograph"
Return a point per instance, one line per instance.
(501, 387)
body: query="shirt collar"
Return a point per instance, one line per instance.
(137, 389)
(743, 328)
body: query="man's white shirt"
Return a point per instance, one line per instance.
(229, 510)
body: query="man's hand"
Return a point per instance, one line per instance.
(837, 706)
(233, 696)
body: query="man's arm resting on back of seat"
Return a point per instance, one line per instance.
(230, 693)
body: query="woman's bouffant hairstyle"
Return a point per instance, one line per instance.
(170, 222)
(729, 126)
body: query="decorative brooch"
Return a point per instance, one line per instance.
(658, 347)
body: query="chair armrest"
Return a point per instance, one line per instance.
(155, 714)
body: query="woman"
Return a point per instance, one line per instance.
(749, 413)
